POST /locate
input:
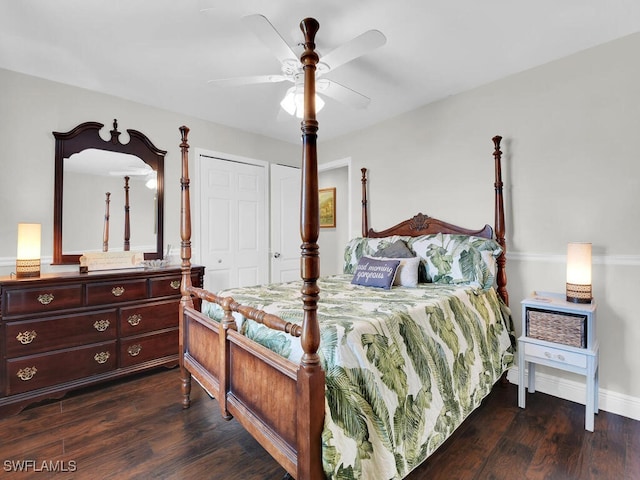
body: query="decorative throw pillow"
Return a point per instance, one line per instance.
(356, 248)
(397, 249)
(373, 272)
(407, 274)
(359, 247)
(453, 258)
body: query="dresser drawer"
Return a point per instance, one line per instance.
(170, 286)
(42, 300)
(36, 336)
(39, 371)
(119, 291)
(148, 347)
(165, 286)
(555, 354)
(147, 318)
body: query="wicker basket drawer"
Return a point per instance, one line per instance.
(38, 371)
(36, 336)
(558, 327)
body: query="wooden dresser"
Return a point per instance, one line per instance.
(64, 331)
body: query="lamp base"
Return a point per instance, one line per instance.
(579, 293)
(27, 268)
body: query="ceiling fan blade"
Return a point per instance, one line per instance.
(268, 35)
(342, 94)
(361, 45)
(252, 80)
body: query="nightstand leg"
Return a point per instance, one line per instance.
(596, 393)
(522, 365)
(532, 377)
(590, 406)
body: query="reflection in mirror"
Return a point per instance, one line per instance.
(106, 193)
(88, 177)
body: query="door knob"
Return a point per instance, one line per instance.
(276, 255)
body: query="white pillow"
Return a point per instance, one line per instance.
(407, 273)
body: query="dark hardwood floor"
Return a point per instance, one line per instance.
(136, 429)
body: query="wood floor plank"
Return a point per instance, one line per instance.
(136, 429)
(608, 448)
(632, 458)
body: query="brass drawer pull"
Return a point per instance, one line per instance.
(101, 357)
(134, 320)
(45, 298)
(26, 337)
(175, 284)
(117, 291)
(27, 373)
(134, 350)
(101, 325)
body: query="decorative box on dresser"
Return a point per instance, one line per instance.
(559, 334)
(64, 331)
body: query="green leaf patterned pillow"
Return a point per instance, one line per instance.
(458, 258)
(359, 247)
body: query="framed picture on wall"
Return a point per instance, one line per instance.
(327, 207)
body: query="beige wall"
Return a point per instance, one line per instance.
(571, 170)
(31, 108)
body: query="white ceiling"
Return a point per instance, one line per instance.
(163, 52)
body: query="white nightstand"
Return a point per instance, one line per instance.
(559, 334)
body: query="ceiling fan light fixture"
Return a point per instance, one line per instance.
(293, 102)
(152, 181)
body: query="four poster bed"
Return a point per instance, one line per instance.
(337, 378)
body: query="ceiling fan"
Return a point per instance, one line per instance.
(291, 68)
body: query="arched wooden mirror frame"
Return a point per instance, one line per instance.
(87, 135)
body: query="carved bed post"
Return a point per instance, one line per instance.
(105, 231)
(311, 382)
(365, 214)
(127, 230)
(499, 227)
(185, 254)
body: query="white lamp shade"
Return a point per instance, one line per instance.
(579, 263)
(579, 273)
(29, 235)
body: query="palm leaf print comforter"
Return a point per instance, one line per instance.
(404, 367)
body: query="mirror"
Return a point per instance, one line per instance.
(108, 195)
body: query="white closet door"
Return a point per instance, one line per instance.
(234, 219)
(285, 223)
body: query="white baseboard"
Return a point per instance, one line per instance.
(573, 391)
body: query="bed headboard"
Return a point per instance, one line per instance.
(422, 224)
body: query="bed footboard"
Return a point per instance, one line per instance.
(269, 395)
